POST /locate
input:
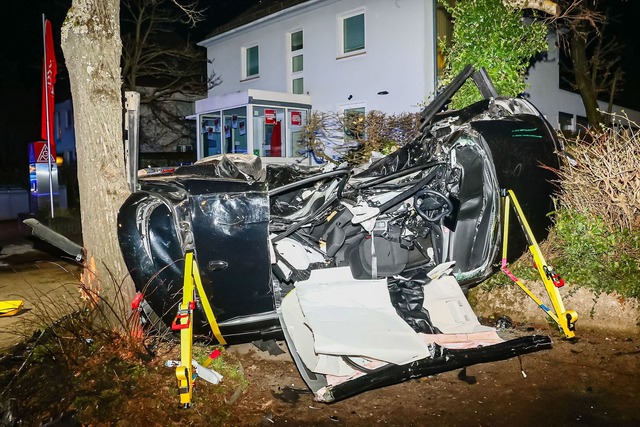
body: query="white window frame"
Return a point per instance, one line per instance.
(292, 54)
(340, 33)
(244, 53)
(342, 109)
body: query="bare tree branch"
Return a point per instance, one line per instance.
(163, 65)
(191, 11)
(595, 58)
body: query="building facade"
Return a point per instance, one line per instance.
(325, 55)
(562, 108)
(283, 59)
(64, 131)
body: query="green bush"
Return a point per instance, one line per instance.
(488, 34)
(598, 226)
(594, 256)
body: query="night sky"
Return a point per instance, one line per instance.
(21, 67)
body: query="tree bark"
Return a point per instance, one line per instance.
(546, 6)
(92, 48)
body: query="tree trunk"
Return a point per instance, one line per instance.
(546, 6)
(92, 48)
(584, 82)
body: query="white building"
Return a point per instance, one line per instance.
(562, 108)
(283, 58)
(328, 55)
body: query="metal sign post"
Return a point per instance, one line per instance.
(131, 147)
(49, 124)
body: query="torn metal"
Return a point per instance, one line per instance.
(363, 272)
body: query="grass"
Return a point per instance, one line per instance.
(79, 368)
(594, 256)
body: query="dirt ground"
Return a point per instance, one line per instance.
(592, 380)
(32, 271)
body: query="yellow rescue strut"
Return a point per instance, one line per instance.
(183, 322)
(566, 319)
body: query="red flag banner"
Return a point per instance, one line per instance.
(49, 71)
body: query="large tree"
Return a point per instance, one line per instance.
(494, 34)
(594, 56)
(92, 49)
(92, 46)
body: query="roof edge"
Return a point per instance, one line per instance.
(295, 8)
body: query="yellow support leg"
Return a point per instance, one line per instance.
(184, 323)
(564, 318)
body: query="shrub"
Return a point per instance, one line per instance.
(594, 256)
(605, 181)
(598, 224)
(354, 136)
(488, 34)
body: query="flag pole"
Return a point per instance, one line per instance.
(47, 106)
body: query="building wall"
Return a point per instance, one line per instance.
(399, 56)
(64, 131)
(546, 95)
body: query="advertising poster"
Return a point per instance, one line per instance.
(269, 117)
(296, 118)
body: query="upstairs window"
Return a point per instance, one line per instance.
(297, 64)
(297, 42)
(251, 62)
(297, 85)
(353, 33)
(297, 61)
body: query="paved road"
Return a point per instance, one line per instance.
(32, 271)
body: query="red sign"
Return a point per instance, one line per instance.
(269, 117)
(49, 71)
(41, 153)
(296, 118)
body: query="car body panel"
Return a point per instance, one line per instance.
(296, 251)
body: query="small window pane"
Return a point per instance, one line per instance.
(298, 86)
(296, 41)
(354, 122)
(566, 121)
(297, 64)
(353, 33)
(253, 67)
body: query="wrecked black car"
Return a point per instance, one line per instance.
(362, 271)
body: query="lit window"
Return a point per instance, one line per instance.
(252, 62)
(353, 33)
